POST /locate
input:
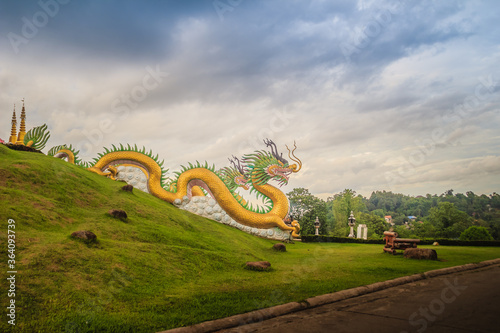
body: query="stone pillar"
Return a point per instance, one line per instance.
(316, 225)
(352, 223)
(362, 231)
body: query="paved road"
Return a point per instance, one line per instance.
(460, 302)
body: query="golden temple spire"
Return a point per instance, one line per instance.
(13, 131)
(22, 129)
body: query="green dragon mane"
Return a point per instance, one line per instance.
(258, 164)
(39, 135)
(55, 150)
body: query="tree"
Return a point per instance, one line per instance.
(475, 233)
(495, 200)
(376, 225)
(425, 230)
(399, 219)
(301, 201)
(378, 212)
(448, 220)
(343, 204)
(403, 231)
(305, 207)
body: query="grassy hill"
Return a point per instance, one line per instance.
(161, 268)
(159, 258)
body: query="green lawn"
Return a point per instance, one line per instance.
(162, 268)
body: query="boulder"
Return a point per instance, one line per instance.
(416, 253)
(128, 188)
(279, 247)
(119, 214)
(258, 265)
(87, 236)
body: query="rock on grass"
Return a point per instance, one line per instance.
(416, 253)
(258, 265)
(119, 214)
(128, 188)
(85, 235)
(280, 247)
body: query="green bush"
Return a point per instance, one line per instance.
(474, 233)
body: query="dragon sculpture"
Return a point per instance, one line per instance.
(252, 172)
(193, 184)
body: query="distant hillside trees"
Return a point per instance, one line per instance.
(448, 221)
(448, 215)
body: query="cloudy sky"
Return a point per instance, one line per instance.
(378, 95)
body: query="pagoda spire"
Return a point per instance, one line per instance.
(13, 131)
(22, 129)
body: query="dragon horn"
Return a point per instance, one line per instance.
(238, 166)
(294, 158)
(274, 151)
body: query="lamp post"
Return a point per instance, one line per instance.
(316, 225)
(352, 223)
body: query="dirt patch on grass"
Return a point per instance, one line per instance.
(26, 241)
(89, 198)
(21, 166)
(53, 268)
(4, 175)
(42, 204)
(80, 203)
(27, 258)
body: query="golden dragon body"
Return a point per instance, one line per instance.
(258, 169)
